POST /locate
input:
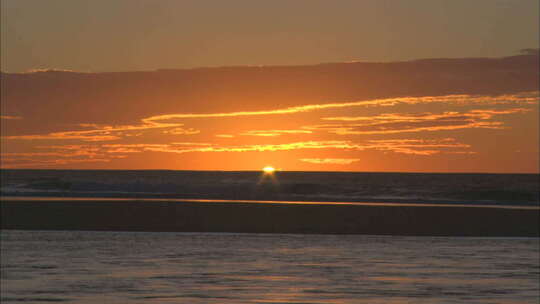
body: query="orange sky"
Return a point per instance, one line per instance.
(459, 115)
(373, 85)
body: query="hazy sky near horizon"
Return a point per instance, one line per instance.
(128, 35)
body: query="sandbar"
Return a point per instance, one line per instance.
(268, 217)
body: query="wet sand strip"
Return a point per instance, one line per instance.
(268, 217)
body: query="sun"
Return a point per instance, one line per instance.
(268, 170)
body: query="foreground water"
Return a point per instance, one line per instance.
(142, 267)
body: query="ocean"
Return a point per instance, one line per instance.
(44, 266)
(144, 267)
(496, 189)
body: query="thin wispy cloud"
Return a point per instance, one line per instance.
(385, 117)
(419, 146)
(182, 131)
(416, 122)
(59, 155)
(271, 133)
(172, 125)
(48, 70)
(8, 117)
(106, 132)
(37, 163)
(333, 161)
(73, 154)
(395, 145)
(525, 98)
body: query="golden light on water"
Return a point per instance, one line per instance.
(268, 170)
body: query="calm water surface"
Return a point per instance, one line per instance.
(142, 267)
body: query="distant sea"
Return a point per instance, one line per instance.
(491, 189)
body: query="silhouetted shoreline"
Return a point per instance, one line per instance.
(268, 217)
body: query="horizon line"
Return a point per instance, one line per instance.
(276, 171)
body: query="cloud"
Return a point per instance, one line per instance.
(182, 131)
(108, 132)
(109, 98)
(393, 123)
(333, 161)
(31, 154)
(526, 97)
(419, 146)
(189, 147)
(243, 109)
(122, 150)
(91, 136)
(174, 148)
(7, 117)
(488, 114)
(270, 133)
(531, 51)
(60, 155)
(386, 117)
(408, 146)
(49, 70)
(32, 162)
(96, 152)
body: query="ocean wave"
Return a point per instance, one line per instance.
(520, 189)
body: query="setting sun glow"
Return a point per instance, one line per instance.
(241, 101)
(268, 170)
